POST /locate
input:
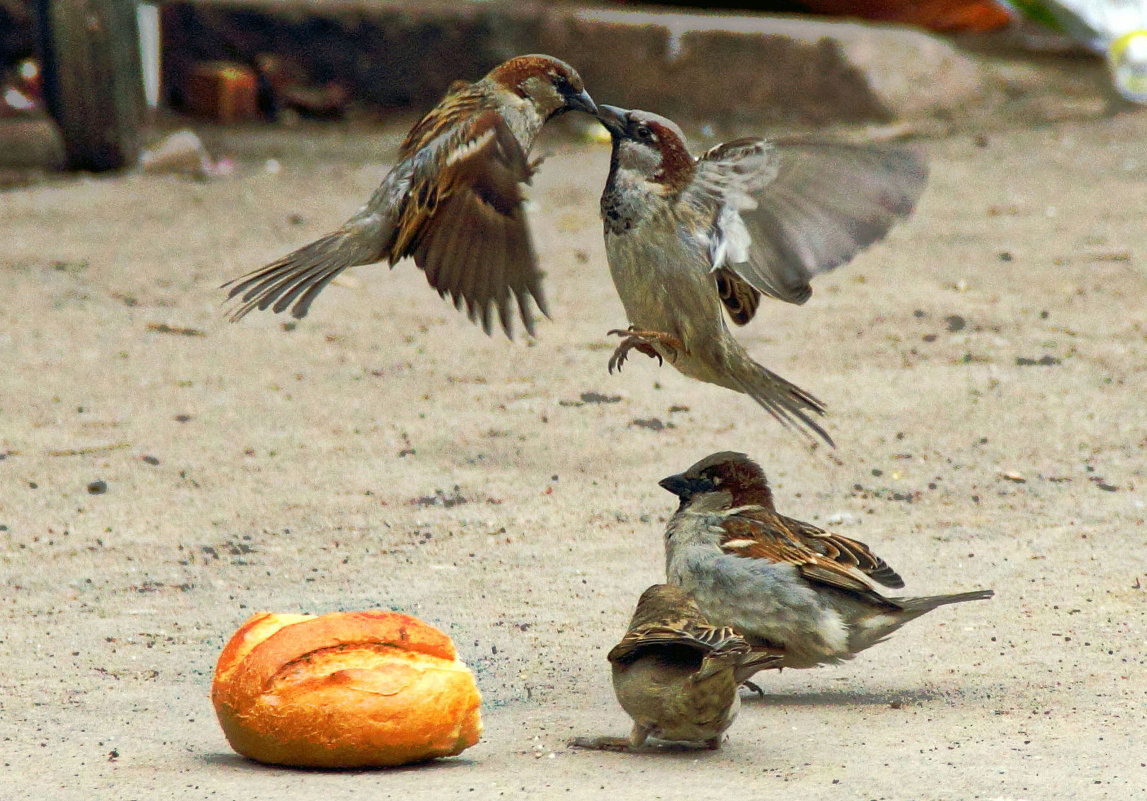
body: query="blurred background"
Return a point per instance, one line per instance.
(99, 84)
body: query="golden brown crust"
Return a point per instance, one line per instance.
(258, 627)
(348, 689)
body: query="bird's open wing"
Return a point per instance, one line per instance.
(453, 202)
(464, 223)
(785, 212)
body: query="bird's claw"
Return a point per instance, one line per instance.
(755, 688)
(642, 342)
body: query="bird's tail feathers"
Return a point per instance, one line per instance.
(930, 602)
(790, 405)
(295, 280)
(760, 659)
(717, 661)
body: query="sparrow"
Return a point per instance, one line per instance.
(779, 582)
(687, 237)
(675, 674)
(453, 201)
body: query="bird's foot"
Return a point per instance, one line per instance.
(755, 688)
(603, 743)
(643, 342)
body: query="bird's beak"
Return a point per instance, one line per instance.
(613, 118)
(581, 102)
(678, 484)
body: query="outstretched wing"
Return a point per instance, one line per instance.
(453, 202)
(785, 212)
(464, 223)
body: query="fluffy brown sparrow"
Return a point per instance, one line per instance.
(675, 674)
(778, 582)
(687, 236)
(453, 201)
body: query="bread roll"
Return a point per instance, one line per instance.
(344, 690)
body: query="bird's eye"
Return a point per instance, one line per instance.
(643, 133)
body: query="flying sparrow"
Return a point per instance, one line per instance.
(687, 236)
(453, 201)
(675, 674)
(778, 582)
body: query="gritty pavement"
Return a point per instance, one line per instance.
(165, 474)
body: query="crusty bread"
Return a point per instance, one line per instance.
(344, 690)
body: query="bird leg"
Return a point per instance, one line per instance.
(642, 342)
(602, 743)
(634, 741)
(755, 688)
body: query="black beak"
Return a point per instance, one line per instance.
(613, 118)
(581, 102)
(678, 484)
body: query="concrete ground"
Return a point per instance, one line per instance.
(165, 474)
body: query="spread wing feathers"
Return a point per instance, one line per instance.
(453, 202)
(706, 640)
(830, 559)
(381, 228)
(467, 228)
(783, 213)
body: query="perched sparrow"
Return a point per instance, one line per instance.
(453, 201)
(686, 236)
(675, 675)
(778, 582)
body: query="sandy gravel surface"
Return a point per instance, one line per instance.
(165, 474)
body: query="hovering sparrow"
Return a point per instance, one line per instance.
(675, 675)
(453, 202)
(686, 236)
(778, 582)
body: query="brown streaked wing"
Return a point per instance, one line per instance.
(462, 103)
(703, 638)
(846, 551)
(762, 535)
(466, 227)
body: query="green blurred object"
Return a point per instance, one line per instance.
(1037, 12)
(1115, 28)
